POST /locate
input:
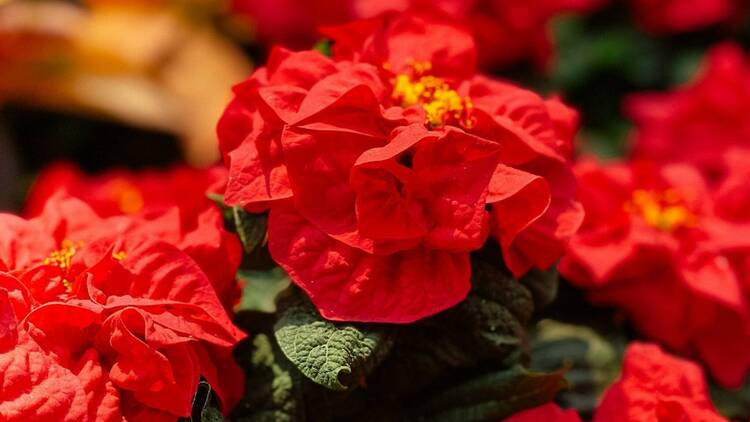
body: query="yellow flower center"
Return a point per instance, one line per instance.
(441, 104)
(664, 210)
(62, 259)
(128, 197)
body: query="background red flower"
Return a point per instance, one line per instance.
(700, 121)
(657, 386)
(651, 245)
(124, 317)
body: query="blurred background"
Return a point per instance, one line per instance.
(141, 83)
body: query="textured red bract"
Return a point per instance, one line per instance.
(110, 320)
(657, 386)
(653, 244)
(379, 191)
(171, 205)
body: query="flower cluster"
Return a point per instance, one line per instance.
(396, 215)
(385, 165)
(665, 234)
(114, 318)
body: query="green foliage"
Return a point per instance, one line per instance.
(274, 395)
(464, 364)
(543, 285)
(250, 228)
(204, 408)
(732, 403)
(495, 396)
(260, 289)
(335, 356)
(594, 360)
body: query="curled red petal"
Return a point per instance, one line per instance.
(454, 170)
(518, 199)
(351, 285)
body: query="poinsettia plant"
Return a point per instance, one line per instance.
(409, 220)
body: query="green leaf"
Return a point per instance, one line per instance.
(274, 393)
(487, 327)
(251, 228)
(733, 404)
(211, 414)
(494, 396)
(594, 360)
(203, 407)
(226, 211)
(261, 288)
(334, 355)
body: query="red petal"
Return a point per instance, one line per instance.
(402, 39)
(355, 92)
(257, 174)
(454, 171)
(518, 199)
(33, 385)
(22, 243)
(348, 284)
(543, 242)
(387, 206)
(525, 125)
(298, 69)
(164, 273)
(319, 166)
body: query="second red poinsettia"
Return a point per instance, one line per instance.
(379, 166)
(97, 324)
(171, 203)
(656, 386)
(657, 243)
(653, 386)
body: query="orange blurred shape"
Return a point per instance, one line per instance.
(153, 64)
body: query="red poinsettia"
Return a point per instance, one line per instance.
(549, 412)
(124, 192)
(171, 203)
(97, 325)
(506, 30)
(379, 165)
(655, 386)
(655, 243)
(670, 16)
(701, 121)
